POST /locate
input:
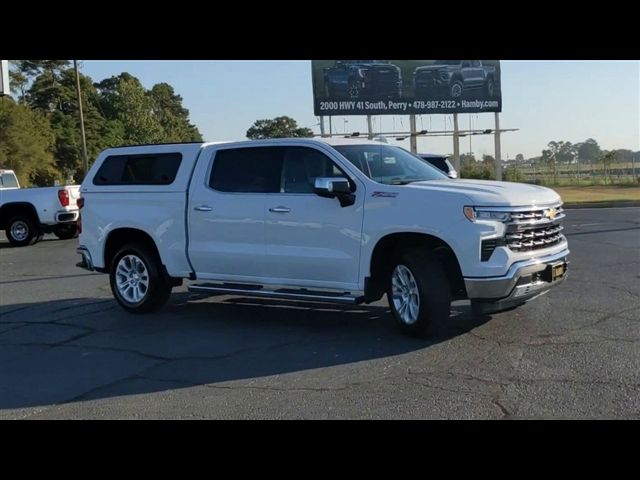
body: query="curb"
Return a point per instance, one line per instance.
(612, 204)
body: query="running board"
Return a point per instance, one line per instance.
(281, 293)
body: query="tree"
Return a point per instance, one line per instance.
(279, 127)
(26, 141)
(519, 158)
(558, 152)
(134, 110)
(172, 116)
(588, 151)
(606, 160)
(467, 159)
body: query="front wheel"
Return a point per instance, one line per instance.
(455, 90)
(419, 294)
(137, 279)
(65, 231)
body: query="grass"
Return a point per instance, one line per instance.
(609, 193)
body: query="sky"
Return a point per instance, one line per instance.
(545, 100)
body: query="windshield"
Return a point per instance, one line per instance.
(389, 164)
(447, 62)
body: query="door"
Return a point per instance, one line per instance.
(226, 212)
(476, 73)
(311, 240)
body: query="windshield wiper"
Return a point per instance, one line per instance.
(406, 181)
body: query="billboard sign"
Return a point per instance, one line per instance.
(403, 87)
(4, 77)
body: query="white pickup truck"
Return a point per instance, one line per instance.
(26, 214)
(344, 220)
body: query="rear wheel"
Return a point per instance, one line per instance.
(65, 231)
(21, 231)
(419, 294)
(137, 279)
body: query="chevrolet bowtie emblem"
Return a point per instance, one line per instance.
(551, 213)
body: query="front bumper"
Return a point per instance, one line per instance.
(524, 280)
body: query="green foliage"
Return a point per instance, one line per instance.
(26, 140)
(172, 116)
(117, 111)
(279, 127)
(513, 174)
(477, 170)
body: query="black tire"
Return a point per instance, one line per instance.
(158, 289)
(434, 294)
(66, 231)
(22, 231)
(491, 87)
(456, 89)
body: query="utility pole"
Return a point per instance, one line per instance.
(456, 144)
(85, 162)
(497, 148)
(413, 139)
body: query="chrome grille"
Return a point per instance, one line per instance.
(534, 230)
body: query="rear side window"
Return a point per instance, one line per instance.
(7, 180)
(247, 170)
(145, 169)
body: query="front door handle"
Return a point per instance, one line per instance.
(279, 209)
(203, 208)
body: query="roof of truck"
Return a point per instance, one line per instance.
(328, 140)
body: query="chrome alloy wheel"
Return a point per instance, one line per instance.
(132, 279)
(19, 230)
(406, 298)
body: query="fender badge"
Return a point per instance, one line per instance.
(385, 194)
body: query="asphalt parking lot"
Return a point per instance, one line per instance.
(68, 351)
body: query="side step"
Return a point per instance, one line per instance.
(281, 293)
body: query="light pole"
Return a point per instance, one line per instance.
(85, 163)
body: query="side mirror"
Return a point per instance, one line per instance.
(335, 187)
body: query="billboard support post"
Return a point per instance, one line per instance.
(322, 126)
(456, 144)
(369, 127)
(497, 148)
(413, 139)
(330, 126)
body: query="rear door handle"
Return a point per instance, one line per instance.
(203, 208)
(279, 209)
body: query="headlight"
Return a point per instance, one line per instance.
(474, 215)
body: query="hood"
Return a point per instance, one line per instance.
(486, 193)
(435, 68)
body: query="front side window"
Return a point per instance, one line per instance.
(301, 166)
(247, 170)
(389, 164)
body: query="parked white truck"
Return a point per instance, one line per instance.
(26, 214)
(343, 221)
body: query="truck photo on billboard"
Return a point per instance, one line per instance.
(402, 87)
